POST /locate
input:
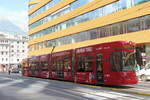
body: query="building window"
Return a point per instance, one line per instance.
(115, 29)
(146, 22)
(140, 1)
(133, 25)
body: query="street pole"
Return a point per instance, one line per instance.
(53, 49)
(52, 52)
(9, 55)
(51, 59)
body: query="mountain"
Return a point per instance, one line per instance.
(7, 26)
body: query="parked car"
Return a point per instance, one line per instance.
(144, 73)
(15, 70)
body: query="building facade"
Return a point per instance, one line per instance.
(69, 24)
(13, 48)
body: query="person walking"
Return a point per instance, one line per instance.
(9, 71)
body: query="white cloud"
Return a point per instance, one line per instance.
(18, 18)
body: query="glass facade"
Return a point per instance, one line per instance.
(51, 17)
(140, 1)
(103, 11)
(30, 0)
(43, 8)
(60, 12)
(79, 3)
(132, 25)
(31, 6)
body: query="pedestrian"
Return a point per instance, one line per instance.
(138, 67)
(9, 71)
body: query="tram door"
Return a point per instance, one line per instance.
(99, 68)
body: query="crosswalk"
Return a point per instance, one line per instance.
(84, 93)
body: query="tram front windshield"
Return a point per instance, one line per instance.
(123, 61)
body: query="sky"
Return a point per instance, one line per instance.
(16, 11)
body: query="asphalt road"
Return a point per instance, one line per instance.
(16, 87)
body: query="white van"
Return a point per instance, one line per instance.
(144, 74)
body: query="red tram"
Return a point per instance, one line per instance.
(110, 63)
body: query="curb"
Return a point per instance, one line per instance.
(118, 90)
(133, 92)
(113, 89)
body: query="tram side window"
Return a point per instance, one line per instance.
(88, 64)
(54, 66)
(44, 65)
(37, 66)
(67, 63)
(85, 64)
(80, 64)
(99, 62)
(59, 64)
(34, 65)
(115, 61)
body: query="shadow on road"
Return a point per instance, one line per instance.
(53, 87)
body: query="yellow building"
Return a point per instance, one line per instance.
(68, 24)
